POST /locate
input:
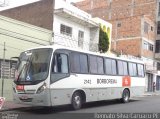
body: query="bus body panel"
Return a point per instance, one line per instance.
(96, 87)
(64, 96)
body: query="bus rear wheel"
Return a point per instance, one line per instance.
(76, 101)
(125, 96)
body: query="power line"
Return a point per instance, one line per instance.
(11, 47)
(21, 39)
(24, 35)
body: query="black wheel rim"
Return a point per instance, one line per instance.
(126, 96)
(77, 101)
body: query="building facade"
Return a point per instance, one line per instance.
(73, 27)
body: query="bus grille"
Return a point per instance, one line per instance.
(26, 92)
(26, 100)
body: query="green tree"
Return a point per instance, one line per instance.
(103, 40)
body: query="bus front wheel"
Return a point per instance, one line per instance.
(125, 96)
(77, 100)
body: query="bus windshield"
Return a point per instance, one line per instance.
(33, 66)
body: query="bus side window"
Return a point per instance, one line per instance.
(59, 67)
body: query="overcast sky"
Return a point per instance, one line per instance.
(7, 4)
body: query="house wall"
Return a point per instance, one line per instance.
(66, 40)
(19, 36)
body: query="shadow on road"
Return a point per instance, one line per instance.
(67, 108)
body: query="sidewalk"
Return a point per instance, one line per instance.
(151, 93)
(9, 105)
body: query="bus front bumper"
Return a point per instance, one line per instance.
(42, 99)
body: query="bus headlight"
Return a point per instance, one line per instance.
(42, 88)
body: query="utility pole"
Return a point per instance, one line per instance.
(4, 50)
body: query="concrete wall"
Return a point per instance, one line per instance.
(20, 36)
(7, 89)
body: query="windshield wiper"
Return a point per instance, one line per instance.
(21, 72)
(25, 66)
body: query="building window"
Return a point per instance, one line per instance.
(158, 27)
(152, 28)
(80, 39)
(119, 24)
(66, 30)
(148, 46)
(157, 50)
(146, 25)
(145, 45)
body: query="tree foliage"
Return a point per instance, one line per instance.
(103, 40)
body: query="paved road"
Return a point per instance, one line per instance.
(148, 104)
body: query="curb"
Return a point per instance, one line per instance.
(10, 109)
(9, 105)
(151, 94)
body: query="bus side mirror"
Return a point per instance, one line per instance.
(17, 60)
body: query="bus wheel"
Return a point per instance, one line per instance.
(125, 96)
(76, 101)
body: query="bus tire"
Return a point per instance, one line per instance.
(76, 100)
(125, 96)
